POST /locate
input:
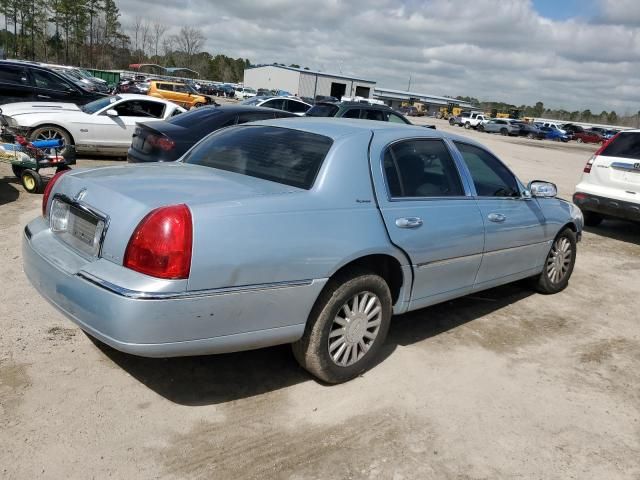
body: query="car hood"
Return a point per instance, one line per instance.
(23, 108)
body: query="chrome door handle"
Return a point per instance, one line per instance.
(496, 217)
(43, 96)
(408, 222)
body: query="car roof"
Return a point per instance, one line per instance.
(132, 96)
(335, 128)
(169, 82)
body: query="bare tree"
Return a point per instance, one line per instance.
(159, 29)
(189, 41)
(145, 40)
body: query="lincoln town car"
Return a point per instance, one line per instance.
(307, 231)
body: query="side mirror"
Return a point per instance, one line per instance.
(541, 189)
(112, 112)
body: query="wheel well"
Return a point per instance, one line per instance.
(384, 265)
(73, 142)
(570, 225)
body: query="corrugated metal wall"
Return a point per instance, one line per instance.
(272, 78)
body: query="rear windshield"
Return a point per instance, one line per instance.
(625, 145)
(277, 154)
(323, 110)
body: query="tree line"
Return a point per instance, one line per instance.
(88, 33)
(540, 111)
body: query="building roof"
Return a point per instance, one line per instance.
(315, 72)
(423, 97)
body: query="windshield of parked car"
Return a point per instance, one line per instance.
(322, 110)
(277, 154)
(99, 104)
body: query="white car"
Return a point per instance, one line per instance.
(104, 126)
(243, 93)
(288, 104)
(554, 126)
(610, 184)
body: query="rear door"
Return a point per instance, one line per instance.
(15, 85)
(616, 170)
(429, 213)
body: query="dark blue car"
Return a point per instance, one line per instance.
(554, 134)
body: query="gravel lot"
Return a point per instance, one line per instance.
(505, 384)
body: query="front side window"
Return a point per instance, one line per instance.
(277, 103)
(281, 155)
(50, 81)
(296, 107)
(140, 108)
(394, 118)
(322, 110)
(421, 168)
(490, 177)
(370, 114)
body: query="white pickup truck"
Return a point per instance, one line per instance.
(469, 119)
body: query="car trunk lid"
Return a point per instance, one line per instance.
(617, 165)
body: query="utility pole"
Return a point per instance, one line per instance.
(409, 87)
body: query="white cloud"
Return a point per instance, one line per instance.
(490, 49)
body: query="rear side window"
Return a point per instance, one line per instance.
(277, 154)
(274, 103)
(322, 110)
(490, 177)
(421, 168)
(10, 74)
(373, 115)
(625, 145)
(352, 113)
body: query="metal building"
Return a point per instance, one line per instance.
(307, 83)
(431, 103)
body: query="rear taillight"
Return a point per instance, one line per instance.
(161, 244)
(164, 143)
(590, 162)
(587, 167)
(48, 188)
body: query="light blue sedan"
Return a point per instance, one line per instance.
(305, 231)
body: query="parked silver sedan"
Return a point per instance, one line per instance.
(304, 231)
(501, 126)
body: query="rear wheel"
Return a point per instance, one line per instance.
(31, 181)
(467, 125)
(579, 140)
(481, 128)
(504, 131)
(592, 219)
(346, 328)
(530, 136)
(559, 264)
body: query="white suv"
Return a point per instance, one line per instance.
(243, 93)
(610, 184)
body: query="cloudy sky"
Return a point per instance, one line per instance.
(574, 54)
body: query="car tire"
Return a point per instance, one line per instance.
(51, 132)
(579, 140)
(558, 266)
(481, 128)
(31, 181)
(530, 136)
(467, 125)
(326, 349)
(504, 131)
(592, 219)
(451, 122)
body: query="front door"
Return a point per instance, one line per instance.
(429, 214)
(113, 133)
(515, 242)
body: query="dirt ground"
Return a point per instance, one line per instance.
(503, 384)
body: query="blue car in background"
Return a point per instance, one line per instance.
(554, 134)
